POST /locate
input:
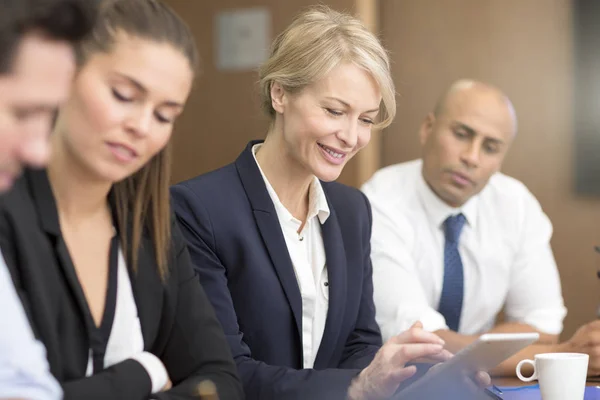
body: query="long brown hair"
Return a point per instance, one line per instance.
(142, 199)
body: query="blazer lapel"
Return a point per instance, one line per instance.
(336, 270)
(270, 230)
(147, 291)
(47, 214)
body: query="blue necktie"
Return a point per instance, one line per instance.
(453, 288)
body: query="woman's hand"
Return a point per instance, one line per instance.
(388, 370)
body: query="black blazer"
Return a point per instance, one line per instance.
(239, 251)
(188, 340)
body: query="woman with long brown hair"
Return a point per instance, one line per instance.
(103, 270)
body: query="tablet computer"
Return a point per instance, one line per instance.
(485, 353)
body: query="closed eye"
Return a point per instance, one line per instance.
(27, 113)
(120, 96)
(367, 121)
(491, 149)
(460, 134)
(333, 112)
(162, 119)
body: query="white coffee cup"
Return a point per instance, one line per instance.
(560, 375)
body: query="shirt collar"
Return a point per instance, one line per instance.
(437, 210)
(317, 202)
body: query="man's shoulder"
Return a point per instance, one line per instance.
(394, 183)
(506, 189)
(395, 173)
(509, 198)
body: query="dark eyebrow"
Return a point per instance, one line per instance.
(348, 105)
(35, 109)
(143, 89)
(472, 132)
(494, 141)
(464, 127)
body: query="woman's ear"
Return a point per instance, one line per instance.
(278, 98)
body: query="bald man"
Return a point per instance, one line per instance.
(455, 241)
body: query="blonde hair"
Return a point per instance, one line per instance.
(317, 41)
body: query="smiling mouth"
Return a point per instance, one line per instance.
(332, 152)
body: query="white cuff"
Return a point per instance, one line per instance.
(155, 369)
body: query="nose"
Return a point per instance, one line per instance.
(349, 134)
(471, 153)
(36, 152)
(139, 122)
(34, 145)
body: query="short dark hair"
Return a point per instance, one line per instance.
(68, 20)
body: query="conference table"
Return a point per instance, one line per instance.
(513, 382)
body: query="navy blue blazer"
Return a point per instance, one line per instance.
(237, 247)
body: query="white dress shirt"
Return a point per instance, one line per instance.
(504, 247)
(126, 340)
(24, 371)
(307, 253)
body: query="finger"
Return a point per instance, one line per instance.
(417, 335)
(587, 338)
(389, 385)
(408, 352)
(483, 379)
(445, 355)
(595, 325)
(471, 382)
(417, 324)
(403, 374)
(442, 356)
(594, 338)
(478, 380)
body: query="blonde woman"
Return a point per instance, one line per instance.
(102, 267)
(283, 251)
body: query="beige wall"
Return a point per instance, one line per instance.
(525, 48)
